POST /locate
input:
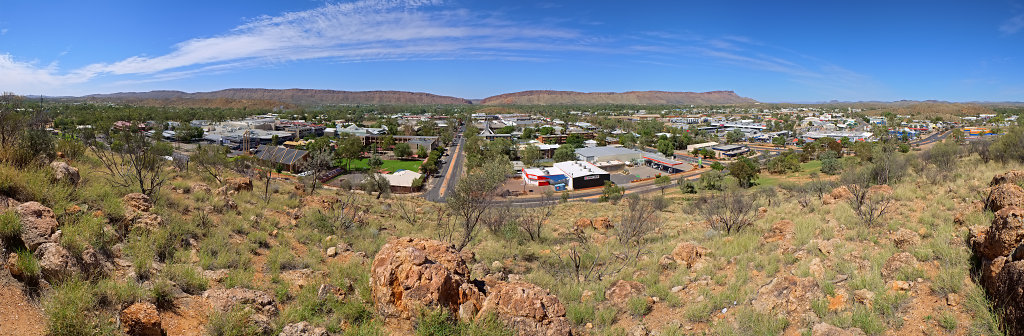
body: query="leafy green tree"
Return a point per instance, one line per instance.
(666, 147)
(779, 141)
(785, 163)
(375, 162)
(403, 150)
(662, 182)
(717, 166)
(744, 170)
(349, 148)
(628, 140)
(734, 136)
(530, 155)
(421, 152)
(565, 153)
(712, 180)
(686, 186)
(830, 163)
(574, 140)
(506, 130)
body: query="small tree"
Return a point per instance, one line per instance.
(212, 160)
(317, 163)
(662, 182)
(686, 186)
(730, 211)
(377, 183)
(779, 141)
(565, 153)
(611, 193)
(132, 161)
(530, 155)
(666, 147)
(638, 220)
(421, 152)
(830, 164)
(712, 180)
(744, 170)
(403, 150)
(869, 205)
(473, 197)
(734, 136)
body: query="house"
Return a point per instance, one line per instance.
(289, 159)
(608, 153)
(404, 181)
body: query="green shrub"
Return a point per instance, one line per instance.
(239, 277)
(85, 231)
(638, 306)
(281, 258)
(27, 264)
(436, 323)
(947, 321)
(867, 321)
(218, 252)
(231, 323)
(10, 224)
(187, 278)
(365, 329)
(579, 313)
(752, 322)
(605, 316)
(71, 310)
(71, 148)
(162, 293)
(114, 293)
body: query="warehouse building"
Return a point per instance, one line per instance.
(608, 153)
(582, 174)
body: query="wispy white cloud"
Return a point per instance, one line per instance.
(1012, 25)
(3, 31)
(363, 30)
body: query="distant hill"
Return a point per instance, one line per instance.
(547, 97)
(281, 97)
(270, 98)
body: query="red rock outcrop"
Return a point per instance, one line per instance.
(621, 291)
(1004, 196)
(688, 253)
(141, 319)
(527, 309)
(409, 273)
(787, 295)
(1012, 177)
(37, 224)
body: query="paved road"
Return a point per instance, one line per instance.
(450, 174)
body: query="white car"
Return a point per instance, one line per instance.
(304, 174)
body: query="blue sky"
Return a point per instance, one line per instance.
(773, 51)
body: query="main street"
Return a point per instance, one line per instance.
(450, 172)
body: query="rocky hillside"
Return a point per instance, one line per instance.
(303, 97)
(545, 97)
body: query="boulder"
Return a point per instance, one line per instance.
(200, 187)
(825, 329)
(880, 189)
(841, 193)
(409, 273)
(688, 253)
(56, 262)
(781, 230)
(1003, 196)
(582, 224)
(1010, 177)
(141, 319)
(239, 184)
(622, 290)
(527, 309)
(64, 173)
(226, 299)
(864, 296)
(8, 203)
(1006, 232)
(1009, 295)
(302, 329)
(37, 224)
(137, 202)
(904, 238)
(786, 295)
(603, 224)
(896, 263)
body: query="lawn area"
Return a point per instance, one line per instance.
(810, 167)
(389, 165)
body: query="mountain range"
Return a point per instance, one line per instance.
(309, 97)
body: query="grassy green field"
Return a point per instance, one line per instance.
(389, 165)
